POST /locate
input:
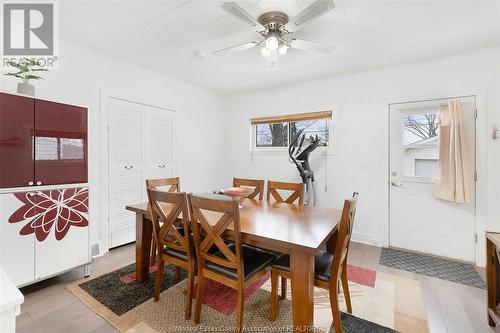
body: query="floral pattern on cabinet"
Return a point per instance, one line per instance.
(52, 210)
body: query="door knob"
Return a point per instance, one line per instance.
(396, 184)
(39, 183)
(30, 183)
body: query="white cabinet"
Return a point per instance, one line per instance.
(43, 232)
(17, 252)
(141, 146)
(10, 303)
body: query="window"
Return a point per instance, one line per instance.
(421, 136)
(281, 131)
(271, 135)
(425, 167)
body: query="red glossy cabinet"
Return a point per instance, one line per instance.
(16, 140)
(60, 143)
(41, 142)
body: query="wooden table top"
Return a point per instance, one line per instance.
(494, 237)
(280, 226)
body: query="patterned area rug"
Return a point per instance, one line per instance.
(432, 266)
(382, 303)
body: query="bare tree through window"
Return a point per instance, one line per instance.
(421, 126)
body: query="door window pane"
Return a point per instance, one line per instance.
(421, 143)
(271, 135)
(425, 167)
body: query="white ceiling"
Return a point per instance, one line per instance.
(169, 36)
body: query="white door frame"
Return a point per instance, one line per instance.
(481, 135)
(104, 234)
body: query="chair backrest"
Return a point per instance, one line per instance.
(296, 188)
(211, 216)
(168, 207)
(344, 237)
(257, 184)
(174, 183)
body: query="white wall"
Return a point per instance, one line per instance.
(199, 114)
(361, 159)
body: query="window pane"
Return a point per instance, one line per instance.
(312, 128)
(420, 126)
(271, 135)
(425, 168)
(421, 143)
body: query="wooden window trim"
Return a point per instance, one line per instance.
(292, 117)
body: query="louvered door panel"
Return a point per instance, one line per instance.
(161, 137)
(126, 165)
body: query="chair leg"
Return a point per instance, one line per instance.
(153, 251)
(239, 309)
(283, 287)
(334, 304)
(189, 294)
(274, 294)
(177, 272)
(199, 298)
(159, 279)
(345, 287)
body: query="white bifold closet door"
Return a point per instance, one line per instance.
(161, 147)
(141, 146)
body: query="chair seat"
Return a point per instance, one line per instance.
(322, 264)
(176, 254)
(254, 260)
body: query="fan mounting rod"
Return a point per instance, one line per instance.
(273, 20)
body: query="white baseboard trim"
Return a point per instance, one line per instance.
(364, 238)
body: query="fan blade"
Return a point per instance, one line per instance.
(236, 48)
(311, 46)
(315, 10)
(235, 10)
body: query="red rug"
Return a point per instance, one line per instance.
(223, 299)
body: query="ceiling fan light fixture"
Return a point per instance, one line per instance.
(282, 49)
(265, 52)
(272, 43)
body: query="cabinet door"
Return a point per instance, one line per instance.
(60, 143)
(16, 140)
(161, 143)
(17, 243)
(63, 242)
(126, 166)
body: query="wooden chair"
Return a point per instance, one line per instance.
(172, 246)
(258, 186)
(330, 267)
(235, 265)
(296, 188)
(174, 185)
(297, 194)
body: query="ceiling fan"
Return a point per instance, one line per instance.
(277, 29)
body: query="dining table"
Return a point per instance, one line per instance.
(300, 231)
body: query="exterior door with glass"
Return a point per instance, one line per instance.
(419, 221)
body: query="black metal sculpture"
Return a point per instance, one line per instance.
(300, 157)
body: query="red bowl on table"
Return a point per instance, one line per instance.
(237, 192)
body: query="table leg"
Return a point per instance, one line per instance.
(302, 271)
(491, 276)
(143, 235)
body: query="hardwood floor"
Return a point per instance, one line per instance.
(49, 307)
